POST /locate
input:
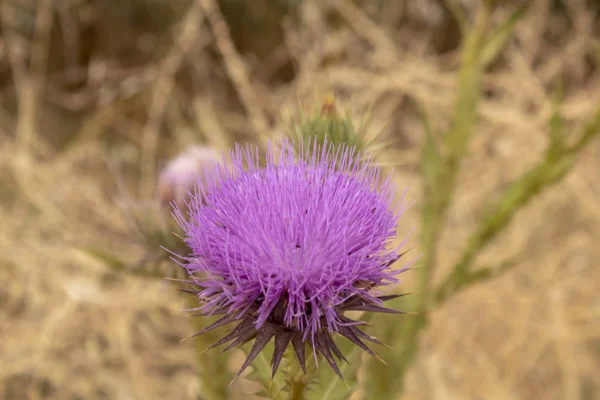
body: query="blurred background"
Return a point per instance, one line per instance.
(96, 96)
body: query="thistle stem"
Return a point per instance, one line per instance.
(297, 381)
(297, 390)
(386, 382)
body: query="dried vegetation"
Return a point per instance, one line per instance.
(95, 98)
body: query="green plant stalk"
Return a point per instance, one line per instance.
(297, 381)
(465, 112)
(297, 389)
(214, 376)
(386, 381)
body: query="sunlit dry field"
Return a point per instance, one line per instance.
(96, 98)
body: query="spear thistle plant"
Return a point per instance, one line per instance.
(283, 251)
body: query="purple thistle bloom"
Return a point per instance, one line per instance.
(286, 248)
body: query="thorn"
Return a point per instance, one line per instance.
(187, 338)
(380, 359)
(175, 280)
(233, 380)
(404, 253)
(206, 349)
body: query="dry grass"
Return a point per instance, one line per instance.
(71, 329)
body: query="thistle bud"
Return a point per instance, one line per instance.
(339, 128)
(180, 174)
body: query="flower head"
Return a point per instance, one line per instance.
(180, 174)
(285, 249)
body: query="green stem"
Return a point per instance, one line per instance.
(297, 380)
(386, 381)
(297, 390)
(465, 111)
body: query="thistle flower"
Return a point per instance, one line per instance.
(180, 174)
(285, 249)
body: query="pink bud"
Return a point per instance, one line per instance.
(180, 174)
